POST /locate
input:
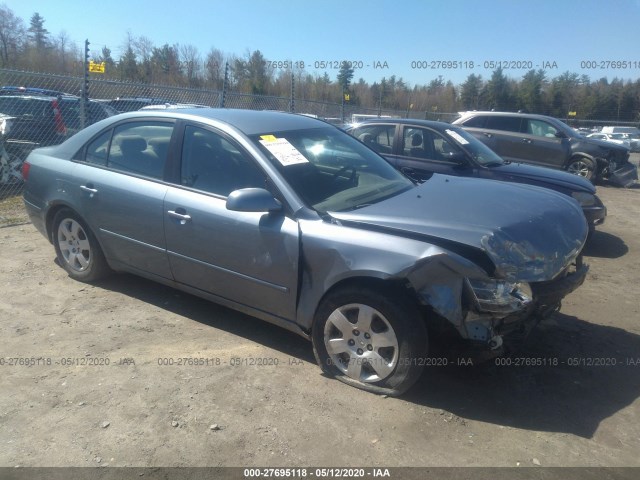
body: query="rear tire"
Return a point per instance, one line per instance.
(77, 249)
(370, 339)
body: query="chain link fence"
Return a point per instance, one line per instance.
(41, 109)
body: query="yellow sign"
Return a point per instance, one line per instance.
(572, 114)
(96, 67)
(346, 97)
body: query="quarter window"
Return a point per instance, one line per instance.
(475, 122)
(98, 150)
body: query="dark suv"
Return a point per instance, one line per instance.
(41, 120)
(548, 142)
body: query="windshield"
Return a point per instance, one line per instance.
(330, 170)
(474, 147)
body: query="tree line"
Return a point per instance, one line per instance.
(30, 46)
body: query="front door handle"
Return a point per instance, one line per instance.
(488, 135)
(526, 140)
(180, 214)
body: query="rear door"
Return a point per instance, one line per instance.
(119, 182)
(245, 257)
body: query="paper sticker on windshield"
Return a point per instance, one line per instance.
(286, 153)
(268, 138)
(457, 137)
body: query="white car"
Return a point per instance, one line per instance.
(616, 138)
(633, 139)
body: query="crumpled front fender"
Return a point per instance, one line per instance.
(331, 254)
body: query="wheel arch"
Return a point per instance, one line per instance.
(51, 215)
(382, 284)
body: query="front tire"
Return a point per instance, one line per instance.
(370, 339)
(583, 167)
(77, 249)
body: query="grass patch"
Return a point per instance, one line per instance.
(12, 211)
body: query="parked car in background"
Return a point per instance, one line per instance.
(169, 106)
(619, 129)
(633, 139)
(617, 138)
(129, 104)
(10, 90)
(291, 220)
(41, 120)
(548, 142)
(420, 148)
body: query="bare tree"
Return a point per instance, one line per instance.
(214, 68)
(191, 63)
(11, 34)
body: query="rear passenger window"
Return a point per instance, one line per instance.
(508, 124)
(140, 148)
(377, 137)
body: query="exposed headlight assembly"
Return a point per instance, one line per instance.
(500, 296)
(585, 199)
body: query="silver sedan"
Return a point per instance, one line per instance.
(291, 220)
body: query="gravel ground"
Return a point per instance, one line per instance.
(103, 390)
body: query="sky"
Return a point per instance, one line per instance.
(418, 40)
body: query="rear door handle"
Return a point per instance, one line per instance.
(89, 189)
(526, 140)
(488, 135)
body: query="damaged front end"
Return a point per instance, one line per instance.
(489, 311)
(617, 169)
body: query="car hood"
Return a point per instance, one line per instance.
(529, 233)
(601, 143)
(542, 175)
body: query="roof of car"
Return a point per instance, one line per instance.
(504, 114)
(403, 121)
(249, 122)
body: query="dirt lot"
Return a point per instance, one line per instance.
(103, 392)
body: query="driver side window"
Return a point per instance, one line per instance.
(540, 128)
(213, 164)
(427, 144)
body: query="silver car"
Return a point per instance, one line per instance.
(291, 220)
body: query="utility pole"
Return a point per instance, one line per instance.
(84, 99)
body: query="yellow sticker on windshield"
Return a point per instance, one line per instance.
(268, 138)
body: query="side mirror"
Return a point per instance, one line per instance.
(560, 134)
(459, 158)
(252, 200)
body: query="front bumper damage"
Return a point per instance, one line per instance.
(622, 173)
(490, 325)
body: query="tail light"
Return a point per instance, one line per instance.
(61, 129)
(26, 166)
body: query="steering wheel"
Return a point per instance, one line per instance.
(352, 177)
